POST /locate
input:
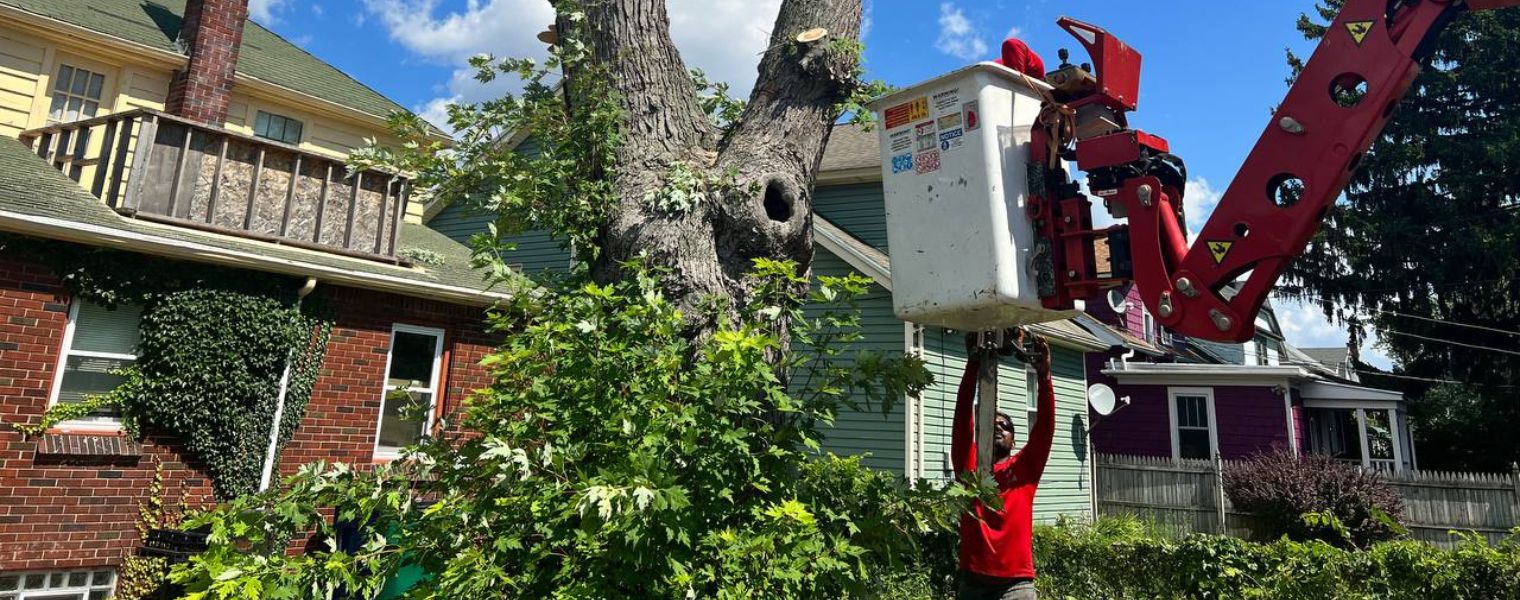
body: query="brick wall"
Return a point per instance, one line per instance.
(212, 33)
(71, 501)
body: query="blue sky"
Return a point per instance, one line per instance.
(1213, 69)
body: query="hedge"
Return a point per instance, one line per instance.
(1121, 559)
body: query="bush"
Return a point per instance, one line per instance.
(1316, 498)
(1115, 559)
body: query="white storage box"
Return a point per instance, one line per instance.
(954, 154)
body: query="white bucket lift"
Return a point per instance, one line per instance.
(955, 151)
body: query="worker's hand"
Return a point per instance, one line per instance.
(1039, 355)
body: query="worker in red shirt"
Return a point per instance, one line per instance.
(996, 558)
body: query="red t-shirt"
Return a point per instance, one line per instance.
(995, 543)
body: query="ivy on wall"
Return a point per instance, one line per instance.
(214, 345)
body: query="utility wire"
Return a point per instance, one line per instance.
(1454, 343)
(1309, 296)
(1396, 376)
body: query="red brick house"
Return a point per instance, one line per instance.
(229, 153)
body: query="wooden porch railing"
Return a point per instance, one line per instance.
(208, 178)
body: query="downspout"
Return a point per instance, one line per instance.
(279, 402)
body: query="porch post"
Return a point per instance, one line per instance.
(1361, 426)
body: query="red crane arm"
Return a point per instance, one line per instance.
(1303, 161)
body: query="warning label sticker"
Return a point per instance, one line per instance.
(1359, 30)
(947, 101)
(925, 134)
(901, 163)
(949, 121)
(900, 141)
(909, 112)
(926, 162)
(1220, 250)
(951, 139)
(970, 111)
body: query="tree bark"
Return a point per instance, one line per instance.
(759, 201)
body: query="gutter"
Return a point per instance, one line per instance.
(84, 233)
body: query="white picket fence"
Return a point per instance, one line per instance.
(1188, 496)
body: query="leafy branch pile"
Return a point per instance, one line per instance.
(615, 458)
(213, 346)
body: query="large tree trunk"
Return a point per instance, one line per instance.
(774, 149)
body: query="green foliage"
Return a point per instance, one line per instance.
(616, 458)
(211, 362)
(1429, 233)
(421, 256)
(1114, 559)
(567, 187)
(723, 110)
(140, 577)
(213, 345)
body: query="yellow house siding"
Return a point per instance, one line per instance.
(143, 89)
(21, 68)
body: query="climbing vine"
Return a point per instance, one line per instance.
(214, 344)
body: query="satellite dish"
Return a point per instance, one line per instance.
(1116, 300)
(1102, 399)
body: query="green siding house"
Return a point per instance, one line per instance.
(914, 438)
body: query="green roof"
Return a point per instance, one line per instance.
(264, 54)
(37, 200)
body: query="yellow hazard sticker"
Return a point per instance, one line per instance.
(1359, 30)
(909, 112)
(1220, 250)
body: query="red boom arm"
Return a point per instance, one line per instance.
(1335, 110)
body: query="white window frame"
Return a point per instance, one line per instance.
(95, 424)
(1171, 411)
(48, 591)
(1031, 397)
(1149, 323)
(384, 454)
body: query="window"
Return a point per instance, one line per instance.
(277, 128)
(76, 95)
(411, 372)
(1032, 393)
(1149, 323)
(97, 342)
(57, 585)
(1193, 435)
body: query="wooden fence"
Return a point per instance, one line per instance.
(1188, 496)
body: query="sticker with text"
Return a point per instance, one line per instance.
(900, 141)
(971, 111)
(925, 134)
(908, 112)
(947, 101)
(949, 140)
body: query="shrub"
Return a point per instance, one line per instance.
(1115, 559)
(1344, 505)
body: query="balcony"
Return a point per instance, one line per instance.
(197, 176)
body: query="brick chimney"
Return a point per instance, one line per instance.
(212, 33)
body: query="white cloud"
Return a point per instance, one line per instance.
(865, 19)
(317, 11)
(956, 35)
(1306, 326)
(722, 37)
(436, 111)
(266, 12)
(1013, 32)
(1198, 204)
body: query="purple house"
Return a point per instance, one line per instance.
(1192, 399)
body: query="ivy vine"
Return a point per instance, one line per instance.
(214, 344)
